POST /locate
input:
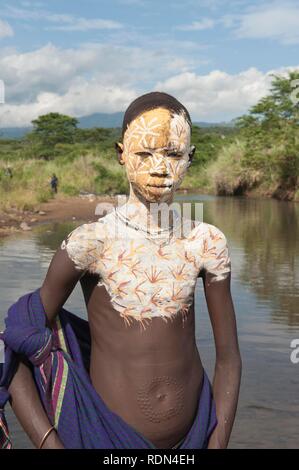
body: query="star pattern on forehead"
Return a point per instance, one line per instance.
(146, 130)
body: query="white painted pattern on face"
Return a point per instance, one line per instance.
(149, 144)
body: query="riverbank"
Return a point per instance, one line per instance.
(83, 207)
(59, 209)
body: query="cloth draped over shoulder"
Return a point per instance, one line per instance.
(59, 360)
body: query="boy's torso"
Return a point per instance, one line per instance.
(150, 377)
(140, 301)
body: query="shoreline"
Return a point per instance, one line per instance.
(59, 209)
(71, 208)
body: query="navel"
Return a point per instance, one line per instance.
(161, 398)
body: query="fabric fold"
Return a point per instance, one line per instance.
(60, 366)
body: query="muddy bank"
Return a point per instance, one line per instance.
(83, 208)
(59, 209)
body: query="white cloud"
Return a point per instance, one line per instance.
(203, 24)
(5, 29)
(82, 98)
(62, 22)
(93, 77)
(218, 95)
(83, 24)
(272, 21)
(31, 4)
(53, 69)
(276, 20)
(105, 78)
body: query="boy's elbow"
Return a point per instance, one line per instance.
(231, 359)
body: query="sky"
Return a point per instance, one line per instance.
(81, 57)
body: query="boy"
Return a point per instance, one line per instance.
(138, 276)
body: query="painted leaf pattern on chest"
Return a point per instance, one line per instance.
(146, 280)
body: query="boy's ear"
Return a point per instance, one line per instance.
(191, 154)
(119, 150)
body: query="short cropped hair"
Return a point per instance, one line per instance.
(155, 99)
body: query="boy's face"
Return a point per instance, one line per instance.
(156, 152)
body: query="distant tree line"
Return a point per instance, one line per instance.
(54, 129)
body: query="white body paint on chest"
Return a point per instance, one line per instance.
(146, 280)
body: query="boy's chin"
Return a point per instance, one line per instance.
(158, 198)
(157, 195)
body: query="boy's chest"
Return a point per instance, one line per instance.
(145, 279)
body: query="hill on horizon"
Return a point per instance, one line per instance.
(104, 120)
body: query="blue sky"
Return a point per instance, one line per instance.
(96, 56)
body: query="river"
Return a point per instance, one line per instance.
(263, 238)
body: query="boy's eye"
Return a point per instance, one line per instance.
(143, 154)
(174, 153)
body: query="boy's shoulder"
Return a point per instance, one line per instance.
(84, 244)
(206, 231)
(212, 231)
(90, 230)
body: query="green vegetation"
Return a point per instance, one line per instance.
(50, 130)
(260, 154)
(264, 156)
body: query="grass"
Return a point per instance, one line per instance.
(224, 164)
(228, 174)
(30, 184)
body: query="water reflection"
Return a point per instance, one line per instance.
(264, 235)
(263, 240)
(52, 236)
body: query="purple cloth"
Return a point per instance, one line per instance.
(60, 368)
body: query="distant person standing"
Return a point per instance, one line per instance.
(54, 183)
(8, 172)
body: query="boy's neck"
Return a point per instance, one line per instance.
(141, 212)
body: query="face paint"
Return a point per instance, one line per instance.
(156, 153)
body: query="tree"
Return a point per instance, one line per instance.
(51, 129)
(278, 108)
(271, 132)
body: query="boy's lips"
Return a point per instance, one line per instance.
(165, 185)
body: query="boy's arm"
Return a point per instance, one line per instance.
(60, 280)
(227, 375)
(226, 383)
(77, 254)
(27, 407)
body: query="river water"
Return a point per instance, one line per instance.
(263, 237)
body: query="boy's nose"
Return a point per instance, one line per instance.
(160, 166)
